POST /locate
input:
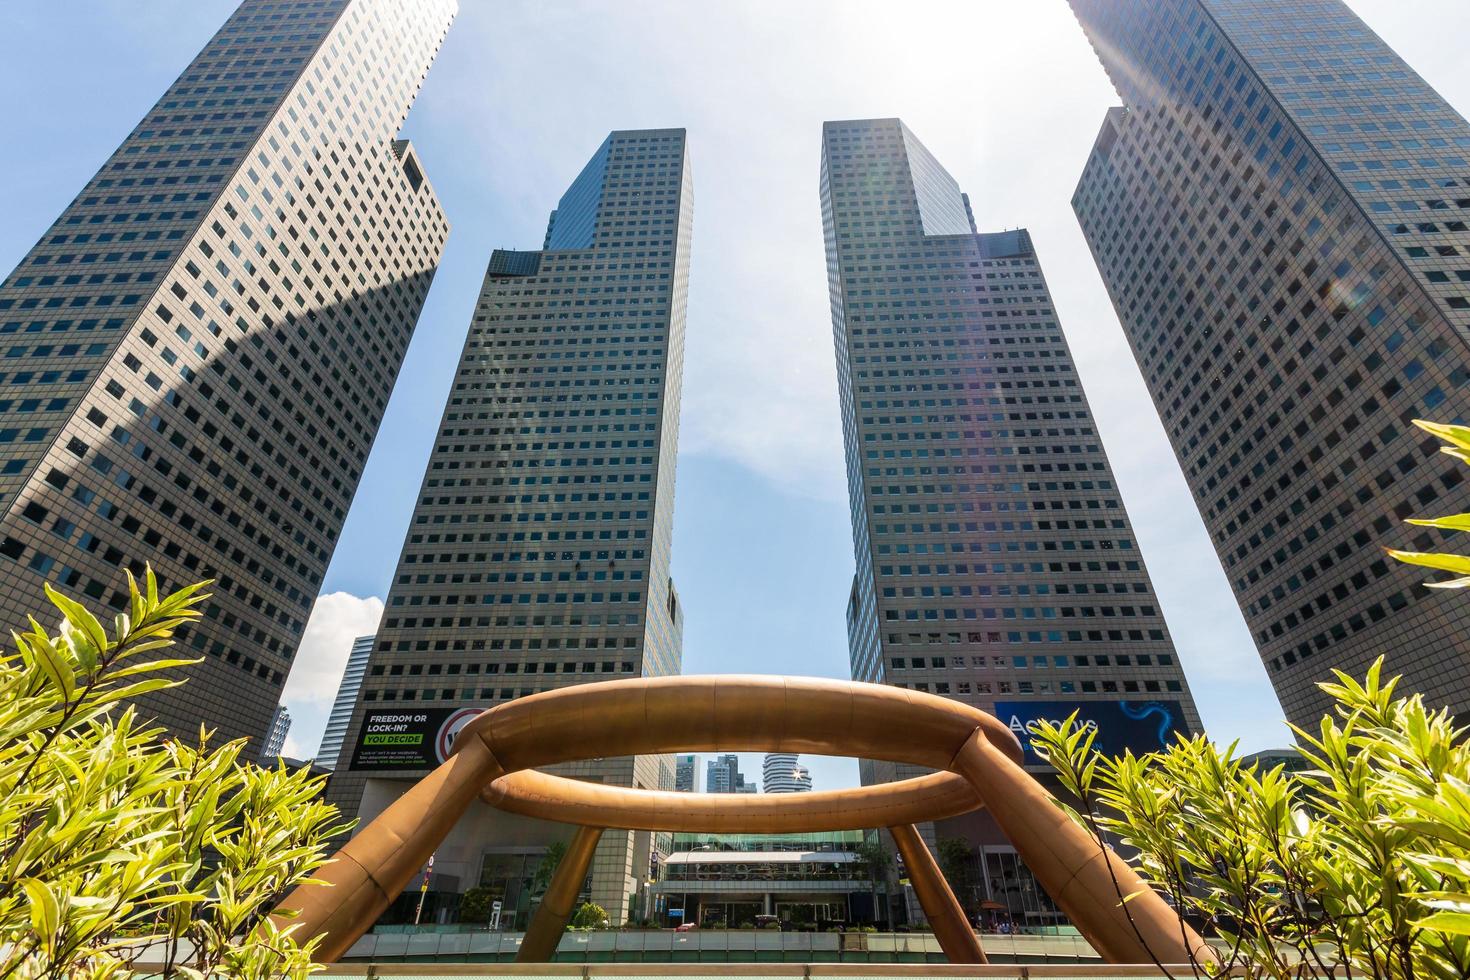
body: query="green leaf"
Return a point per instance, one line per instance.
(152, 665)
(130, 691)
(1459, 564)
(1455, 923)
(50, 660)
(45, 911)
(79, 617)
(1455, 435)
(1455, 522)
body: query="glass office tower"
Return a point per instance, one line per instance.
(199, 350)
(1279, 212)
(995, 560)
(538, 554)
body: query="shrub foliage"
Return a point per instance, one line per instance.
(123, 850)
(1457, 444)
(1356, 866)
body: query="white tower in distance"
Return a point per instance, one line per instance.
(782, 773)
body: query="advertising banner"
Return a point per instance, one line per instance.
(1143, 726)
(400, 738)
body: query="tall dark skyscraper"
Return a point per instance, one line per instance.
(199, 350)
(995, 560)
(1279, 211)
(538, 555)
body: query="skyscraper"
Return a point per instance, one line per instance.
(336, 731)
(722, 774)
(685, 772)
(538, 554)
(995, 561)
(275, 739)
(199, 349)
(1279, 212)
(782, 773)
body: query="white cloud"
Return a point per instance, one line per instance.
(336, 620)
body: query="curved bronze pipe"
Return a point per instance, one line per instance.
(539, 943)
(943, 911)
(733, 712)
(531, 793)
(642, 716)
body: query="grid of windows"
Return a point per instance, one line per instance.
(1280, 216)
(995, 557)
(195, 356)
(538, 554)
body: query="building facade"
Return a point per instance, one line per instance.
(336, 731)
(782, 772)
(813, 881)
(686, 769)
(1280, 211)
(274, 745)
(722, 775)
(996, 563)
(995, 560)
(200, 348)
(538, 553)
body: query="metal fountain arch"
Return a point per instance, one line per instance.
(978, 760)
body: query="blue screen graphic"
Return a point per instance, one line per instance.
(1143, 726)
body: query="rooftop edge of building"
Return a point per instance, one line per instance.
(877, 120)
(413, 171)
(661, 131)
(1102, 144)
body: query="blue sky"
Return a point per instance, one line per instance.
(1007, 95)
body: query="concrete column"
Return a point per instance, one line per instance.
(1086, 880)
(374, 867)
(941, 908)
(550, 920)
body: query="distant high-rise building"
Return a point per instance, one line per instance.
(685, 770)
(538, 554)
(722, 774)
(201, 346)
(1280, 214)
(782, 773)
(336, 730)
(275, 740)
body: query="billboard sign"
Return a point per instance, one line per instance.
(396, 738)
(1143, 726)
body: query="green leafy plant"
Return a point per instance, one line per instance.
(1457, 439)
(121, 848)
(1358, 866)
(476, 905)
(879, 863)
(589, 915)
(956, 861)
(541, 877)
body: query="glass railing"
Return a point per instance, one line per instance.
(712, 946)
